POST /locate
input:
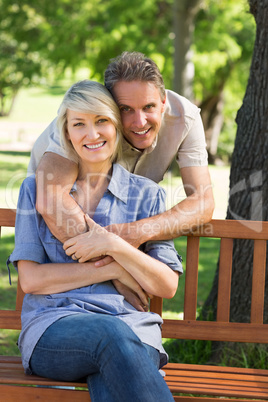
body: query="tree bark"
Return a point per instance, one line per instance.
(184, 14)
(248, 196)
(212, 116)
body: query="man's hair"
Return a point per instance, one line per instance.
(89, 97)
(133, 66)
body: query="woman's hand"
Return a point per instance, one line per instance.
(137, 300)
(127, 286)
(90, 245)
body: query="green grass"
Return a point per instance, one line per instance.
(40, 103)
(8, 338)
(209, 251)
(13, 169)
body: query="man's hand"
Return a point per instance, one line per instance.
(127, 231)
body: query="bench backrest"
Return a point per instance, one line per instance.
(10, 319)
(222, 329)
(190, 328)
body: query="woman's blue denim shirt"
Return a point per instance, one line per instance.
(128, 198)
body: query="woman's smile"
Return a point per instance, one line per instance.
(95, 146)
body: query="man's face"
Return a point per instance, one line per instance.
(141, 111)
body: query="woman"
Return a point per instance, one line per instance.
(74, 322)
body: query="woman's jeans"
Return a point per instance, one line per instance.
(104, 350)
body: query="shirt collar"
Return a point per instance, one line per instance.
(119, 183)
(127, 146)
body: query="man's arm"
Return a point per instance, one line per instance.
(55, 177)
(195, 210)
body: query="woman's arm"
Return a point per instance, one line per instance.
(153, 276)
(53, 278)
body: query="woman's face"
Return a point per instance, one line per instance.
(92, 136)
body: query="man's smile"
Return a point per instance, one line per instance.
(142, 132)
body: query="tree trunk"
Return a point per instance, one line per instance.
(4, 110)
(248, 197)
(212, 116)
(184, 14)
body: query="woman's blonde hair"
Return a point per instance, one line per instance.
(89, 97)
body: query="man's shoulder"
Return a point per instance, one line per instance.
(179, 106)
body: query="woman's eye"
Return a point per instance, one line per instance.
(78, 124)
(102, 121)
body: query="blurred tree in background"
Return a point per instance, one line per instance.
(222, 51)
(249, 173)
(210, 40)
(20, 61)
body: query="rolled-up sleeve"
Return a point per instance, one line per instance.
(165, 252)
(28, 245)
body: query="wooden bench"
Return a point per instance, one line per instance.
(202, 381)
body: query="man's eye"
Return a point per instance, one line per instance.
(124, 109)
(147, 107)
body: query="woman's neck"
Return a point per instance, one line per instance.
(92, 183)
(93, 172)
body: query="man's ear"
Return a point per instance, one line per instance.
(163, 104)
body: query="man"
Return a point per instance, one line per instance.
(158, 125)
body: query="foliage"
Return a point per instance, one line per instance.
(41, 39)
(144, 25)
(20, 60)
(187, 351)
(244, 355)
(223, 44)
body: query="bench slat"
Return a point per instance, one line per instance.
(191, 278)
(258, 281)
(207, 399)
(216, 369)
(215, 331)
(25, 394)
(233, 229)
(156, 305)
(20, 296)
(7, 217)
(10, 319)
(226, 382)
(224, 282)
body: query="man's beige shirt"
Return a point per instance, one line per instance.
(181, 136)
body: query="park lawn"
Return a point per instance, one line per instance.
(13, 169)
